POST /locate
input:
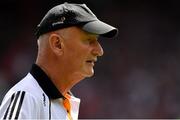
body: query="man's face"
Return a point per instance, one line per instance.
(81, 50)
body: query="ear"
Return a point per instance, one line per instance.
(56, 44)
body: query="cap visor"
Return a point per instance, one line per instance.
(100, 28)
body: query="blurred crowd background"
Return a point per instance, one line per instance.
(139, 74)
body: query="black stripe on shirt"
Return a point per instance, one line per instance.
(20, 104)
(49, 109)
(14, 104)
(6, 113)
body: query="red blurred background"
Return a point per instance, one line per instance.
(138, 76)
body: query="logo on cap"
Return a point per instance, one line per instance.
(61, 21)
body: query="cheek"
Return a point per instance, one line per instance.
(75, 57)
(79, 58)
(77, 54)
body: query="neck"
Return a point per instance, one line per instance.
(62, 79)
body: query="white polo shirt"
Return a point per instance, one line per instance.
(36, 97)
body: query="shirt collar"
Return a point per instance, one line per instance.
(45, 82)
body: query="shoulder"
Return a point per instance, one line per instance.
(20, 104)
(24, 99)
(27, 89)
(27, 85)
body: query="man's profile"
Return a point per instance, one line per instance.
(68, 48)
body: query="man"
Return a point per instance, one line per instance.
(67, 52)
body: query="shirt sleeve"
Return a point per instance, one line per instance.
(19, 105)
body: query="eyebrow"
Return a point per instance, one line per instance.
(91, 35)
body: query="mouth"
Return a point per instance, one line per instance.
(91, 62)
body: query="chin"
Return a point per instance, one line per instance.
(90, 74)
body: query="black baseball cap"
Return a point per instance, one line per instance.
(68, 14)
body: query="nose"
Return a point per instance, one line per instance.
(98, 50)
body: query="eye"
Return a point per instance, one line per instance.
(88, 41)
